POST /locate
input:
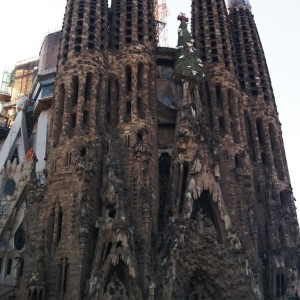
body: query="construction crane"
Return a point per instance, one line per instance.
(161, 13)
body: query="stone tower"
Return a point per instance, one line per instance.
(165, 176)
(62, 234)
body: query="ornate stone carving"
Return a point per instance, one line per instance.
(80, 166)
(35, 195)
(143, 148)
(38, 266)
(116, 288)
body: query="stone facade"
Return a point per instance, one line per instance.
(165, 174)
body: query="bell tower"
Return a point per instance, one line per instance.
(62, 234)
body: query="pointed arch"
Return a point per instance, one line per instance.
(205, 212)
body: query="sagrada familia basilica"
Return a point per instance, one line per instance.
(138, 172)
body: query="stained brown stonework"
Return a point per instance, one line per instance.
(159, 186)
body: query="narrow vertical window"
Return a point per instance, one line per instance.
(59, 225)
(230, 101)
(128, 111)
(249, 134)
(140, 75)
(140, 110)
(88, 87)
(280, 285)
(61, 95)
(219, 96)
(108, 101)
(117, 101)
(260, 131)
(222, 124)
(127, 141)
(85, 119)
(128, 79)
(9, 267)
(75, 88)
(99, 90)
(68, 159)
(73, 121)
(1, 263)
(19, 239)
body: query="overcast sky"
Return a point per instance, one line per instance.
(24, 24)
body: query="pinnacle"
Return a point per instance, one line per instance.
(187, 66)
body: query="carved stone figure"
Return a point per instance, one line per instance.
(80, 165)
(38, 266)
(116, 288)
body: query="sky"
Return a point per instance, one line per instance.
(24, 24)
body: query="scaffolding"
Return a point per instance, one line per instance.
(5, 88)
(161, 13)
(239, 3)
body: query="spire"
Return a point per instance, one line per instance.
(188, 65)
(239, 3)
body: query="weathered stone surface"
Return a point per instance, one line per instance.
(159, 187)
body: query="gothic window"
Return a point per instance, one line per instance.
(75, 88)
(19, 239)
